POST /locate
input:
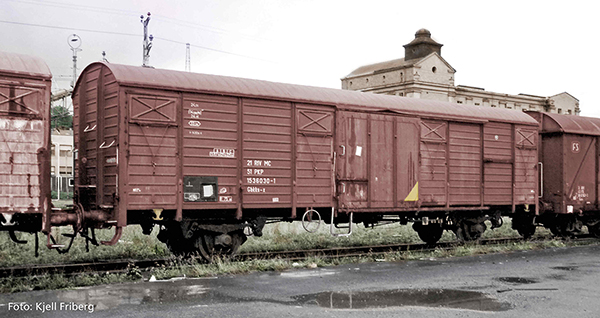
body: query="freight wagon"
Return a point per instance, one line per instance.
(569, 159)
(207, 157)
(25, 84)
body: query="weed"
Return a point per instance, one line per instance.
(280, 236)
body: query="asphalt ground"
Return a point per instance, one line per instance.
(560, 282)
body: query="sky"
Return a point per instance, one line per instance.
(533, 47)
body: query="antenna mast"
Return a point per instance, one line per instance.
(188, 66)
(147, 44)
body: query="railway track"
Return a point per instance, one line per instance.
(337, 252)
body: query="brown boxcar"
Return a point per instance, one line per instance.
(25, 84)
(206, 156)
(569, 157)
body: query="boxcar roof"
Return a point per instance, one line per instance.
(23, 65)
(144, 77)
(570, 124)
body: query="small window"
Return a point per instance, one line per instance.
(476, 104)
(459, 102)
(569, 112)
(560, 110)
(434, 69)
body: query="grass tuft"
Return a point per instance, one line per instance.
(279, 236)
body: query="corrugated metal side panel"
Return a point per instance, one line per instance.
(497, 142)
(267, 153)
(76, 134)
(20, 175)
(110, 132)
(210, 146)
(352, 163)
(580, 171)
(526, 162)
(24, 141)
(553, 171)
(314, 152)
(23, 126)
(354, 133)
(153, 153)
(433, 170)
(498, 163)
(381, 152)
(464, 164)
(88, 120)
(407, 159)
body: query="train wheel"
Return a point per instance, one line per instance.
(430, 233)
(526, 231)
(467, 230)
(594, 229)
(565, 226)
(525, 225)
(210, 244)
(173, 237)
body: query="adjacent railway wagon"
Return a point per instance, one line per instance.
(25, 84)
(569, 153)
(208, 156)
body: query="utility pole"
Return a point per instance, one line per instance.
(147, 44)
(188, 66)
(74, 42)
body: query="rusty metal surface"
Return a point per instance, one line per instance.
(194, 82)
(371, 171)
(24, 133)
(569, 153)
(203, 143)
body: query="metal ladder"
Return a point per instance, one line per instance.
(332, 225)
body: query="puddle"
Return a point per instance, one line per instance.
(518, 280)
(557, 277)
(112, 296)
(436, 298)
(194, 293)
(566, 268)
(305, 274)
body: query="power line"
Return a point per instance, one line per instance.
(80, 7)
(214, 50)
(130, 34)
(65, 28)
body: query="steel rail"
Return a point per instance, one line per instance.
(122, 265)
